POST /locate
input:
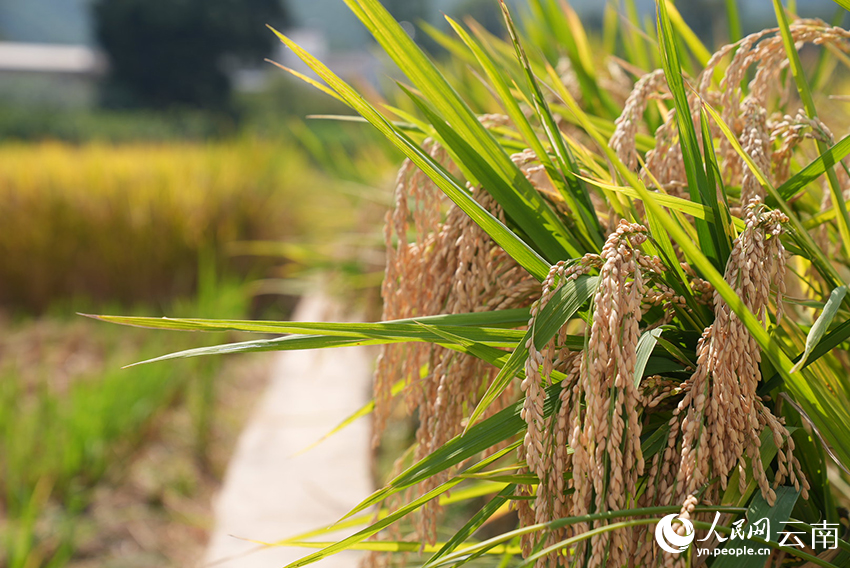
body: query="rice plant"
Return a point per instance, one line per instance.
(73, 213)
(620, 298)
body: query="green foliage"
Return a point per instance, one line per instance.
(71, 418)
(567, 115)
(36, 124)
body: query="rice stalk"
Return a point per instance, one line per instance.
(717, 416)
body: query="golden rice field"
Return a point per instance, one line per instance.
(126, 223)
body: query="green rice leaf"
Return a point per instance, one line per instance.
(309, 80)
(777, 515)
(821, 326)
(576, 193)
(498, 428)
(473, 524)
(495, 318)
(502, 86)
(467, 338)
(645, 345)
(723, 233)
(521, 202)
(362, 535)
(671, 202)
(471, 161)
(694, 168)
(798, 182)
(565, 302)
(393, 546)
(450, 44)
(513, 245)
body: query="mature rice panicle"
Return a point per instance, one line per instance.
(745, 115)
(440, 263)
(755, 140)
(650, 86)
(789, 132)
(600, 407)
(545, 443)
(608, 384)
(716, 426)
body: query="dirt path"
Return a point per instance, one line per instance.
(271, 491)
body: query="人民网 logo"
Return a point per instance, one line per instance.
(671, 541)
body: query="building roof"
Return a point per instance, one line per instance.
(51, 58)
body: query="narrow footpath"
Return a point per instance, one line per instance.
(273, 489)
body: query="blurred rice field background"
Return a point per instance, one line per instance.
(127, 223)
(104, 466)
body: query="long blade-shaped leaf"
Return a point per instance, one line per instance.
(497, 318)
(821, 326)
(502, 87)
(776, 515)
(723, 232)
(473, 524)
(577, 195)
(697, 183)
(473, 162)
(521, 202)
(645, 345)
(561, 307)
(814, 170)
(513, 245)
(403, 511)
(671, 202)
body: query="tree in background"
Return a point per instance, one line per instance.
(167, 53)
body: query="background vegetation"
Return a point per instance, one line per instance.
(147, 213)
(620, 270)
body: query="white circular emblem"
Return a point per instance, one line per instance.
(671, 541)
